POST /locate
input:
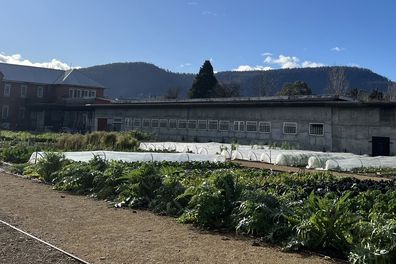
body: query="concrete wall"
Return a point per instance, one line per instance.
(302, 115)
(354, 127)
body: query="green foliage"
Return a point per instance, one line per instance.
(205, 82)
(16, 154)
(344, 217)
(296, 88)
(50, 165)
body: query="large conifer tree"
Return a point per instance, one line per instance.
(204, 83)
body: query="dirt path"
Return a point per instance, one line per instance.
(99, 234)
(262, 165)
(19, 248)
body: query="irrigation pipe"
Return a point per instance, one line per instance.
(44, 242)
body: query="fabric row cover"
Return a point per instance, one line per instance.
(86, 156)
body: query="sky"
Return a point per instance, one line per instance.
(178, 35)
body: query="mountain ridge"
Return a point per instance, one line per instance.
(139, 80)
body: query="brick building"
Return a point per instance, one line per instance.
(33, 98)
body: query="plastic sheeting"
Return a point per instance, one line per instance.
(86, 156)
(360, 162)
(300, 158)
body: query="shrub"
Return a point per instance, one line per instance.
(48, 166)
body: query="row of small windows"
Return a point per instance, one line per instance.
(248, 126)
(78, 93)
(23, 90)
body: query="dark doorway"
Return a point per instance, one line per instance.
(102, 124)
(381, 146)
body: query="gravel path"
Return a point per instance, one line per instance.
(99, 234)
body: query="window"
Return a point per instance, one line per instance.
(22, 113)
(289, 128)
(224, 125)
(4, 112)
(92, 94)
(316, 129)
(163, 123)
(251, 126)
(213, 124)
(154, 123)
(202, 124)
(85, 93)
(137, 122)
(173, 123)
(239, 126)
(128, 122)
(40, 91)
(264, 127)
(192, 124)
(7, 90)
(182, 124)
(71, 93)
(23, 90)
(146, 123)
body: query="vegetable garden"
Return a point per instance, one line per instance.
(343, 217)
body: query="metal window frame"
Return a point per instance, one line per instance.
(173, 121)
(152, 121)
(146, 120)
(202, 121)
(289, 123)
(178, 123)
(192, 121)
(217, 124)
(41, 94)
(224, 121)
(3, 111)
(139, 121)
(264, 122)
(251, 122)
(318, 135)
(161, 121)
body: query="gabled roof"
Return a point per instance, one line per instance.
(22, 73)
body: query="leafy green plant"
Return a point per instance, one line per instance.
(50, 165)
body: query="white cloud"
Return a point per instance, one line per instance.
(284, 62)
(252, 68)
(17, 59)
(289, 62)
(187, 64)
(266, 54)
(337, 49)
(355, 65)
(311, 64)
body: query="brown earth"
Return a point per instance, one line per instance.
(93, 231)
(19, 248)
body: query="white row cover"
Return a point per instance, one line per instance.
(301, 158)
(86, 156)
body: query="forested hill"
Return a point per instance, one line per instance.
(143, 80)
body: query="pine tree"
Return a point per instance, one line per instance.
(204, 83)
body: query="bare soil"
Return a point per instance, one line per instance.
(16, 247)
(97, 233)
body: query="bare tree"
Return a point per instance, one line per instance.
(338, 84)
(229, 89)
(172, 93)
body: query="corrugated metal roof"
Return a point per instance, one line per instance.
(21, 73)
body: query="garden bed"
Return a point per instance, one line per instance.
(344, 217)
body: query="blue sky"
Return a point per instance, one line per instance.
(180, 34)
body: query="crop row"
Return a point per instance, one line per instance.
(345, 217)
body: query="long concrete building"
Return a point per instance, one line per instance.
(317, 123)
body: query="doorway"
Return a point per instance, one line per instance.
(380, 146)
(102, 124)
